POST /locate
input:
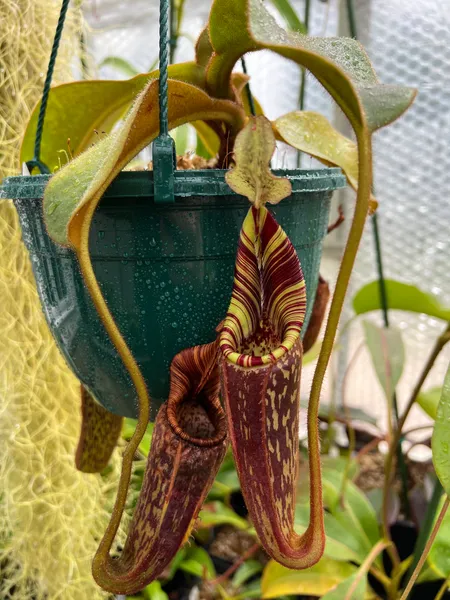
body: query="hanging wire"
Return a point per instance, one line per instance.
(164, 57)
(301, 102)
(383, 300)
(36, 160)
(247, 89)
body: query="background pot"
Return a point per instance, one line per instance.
(166, 270)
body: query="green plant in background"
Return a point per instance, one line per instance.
(354, 524)
(206, 93)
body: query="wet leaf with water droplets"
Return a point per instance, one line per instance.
(252, 177)
(312, 133)
(340, 64)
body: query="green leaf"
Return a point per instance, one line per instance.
(340, 64)
(251, 175)
(176, 562)
(401, 296)
(439, 556)
(199, 563)
(388, 355)
(127, 432)
(252, 590)
(155, 592)
(440, 442)
(341, 590)
(180, 136)
(248, 569)
(122, 65)
(284, 7)
(357, 508)
(316, 581)
(78, 187)
(313, 353)
(216, 513)
(340, 541)
(312, 133)
(429, 400)
(93, 106)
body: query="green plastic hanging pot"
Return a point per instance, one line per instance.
(165, 270)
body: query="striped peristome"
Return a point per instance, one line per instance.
(261, 357)
(269, 287)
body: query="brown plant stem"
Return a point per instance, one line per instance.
(423, 558)
(234, 567)
(340, 219)
(439, 345)
(370, 446)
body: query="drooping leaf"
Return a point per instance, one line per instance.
(342, 589)
(287, 11)
(315, 581)
(189, 443)
(428, 400)
(388, 355)
(318, 314)
(312, 133)
(199, 563)
(73, 193)
(100, 431)
(83, 111)
(439, 556)
(251, 175)
(246, 571)
(260, 370)
(400, 296)
(440, 442)
(340, 64)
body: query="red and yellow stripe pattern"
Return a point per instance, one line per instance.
(268, 294)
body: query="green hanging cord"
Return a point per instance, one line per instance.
(36, 160)
(247, 89)
(301, 101)
(164, 155)
(384, 301)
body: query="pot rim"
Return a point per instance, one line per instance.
(204, 182)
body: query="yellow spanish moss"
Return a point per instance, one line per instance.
(51, 516)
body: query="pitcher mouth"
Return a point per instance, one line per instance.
(268, 302)
(201, 421)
